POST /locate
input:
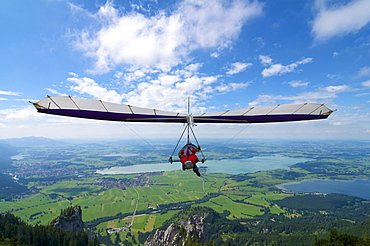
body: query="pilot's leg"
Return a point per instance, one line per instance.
(195, 169)
(183, 160)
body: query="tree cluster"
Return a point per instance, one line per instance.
(349, 215)
(15, 232)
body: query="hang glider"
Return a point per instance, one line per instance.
(100, 110)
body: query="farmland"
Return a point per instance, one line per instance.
(126, 204)
(114, 208)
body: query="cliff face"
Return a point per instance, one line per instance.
(192, 229)
(69, 220)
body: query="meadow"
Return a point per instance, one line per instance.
(117, 206)
(142, 202)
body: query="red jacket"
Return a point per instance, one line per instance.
(187, 153)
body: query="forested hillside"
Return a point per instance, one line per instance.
(6, 151)
(8, 186)
(249, 208)
(266, 230)
(15, 232)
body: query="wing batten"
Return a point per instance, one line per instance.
(300, 108)
(104, 105)
(273, 109)
(317, 109)
(248, 110)
(100, 110)
(129, 107)
(225, 112)
(53, 102)
(74, 102)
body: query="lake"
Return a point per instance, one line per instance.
(227, 166)
(120, 155)
(17, 157)
(355, 187)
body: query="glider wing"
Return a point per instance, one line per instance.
(278, 113)
(100, 110)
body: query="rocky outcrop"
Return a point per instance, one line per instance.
(164, 238)
(70, 219)
(192, 229)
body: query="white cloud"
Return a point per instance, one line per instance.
(89, 86)
(279, 69)
(238, 67)
(338, 123)
(339, 19)
(335, 54)
(194, 67)
(9, 93)
(364, 72)
(331, 76)
(25, 100)
(366, 83)
(162, 41)
(28, 113)
(73, 74)
(337, 88)
(323, 94)
(265, 60)
(237, 86)
(215, 54)
(223, 88)
(170, 91)
(362, 94)
(55, 92)
(151, 55)
(165, 91)
(297, 83)
(215, 23)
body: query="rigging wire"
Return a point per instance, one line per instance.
(178, 142)
(137, 134)
(248, 124)
(196, 140)
(189, 130)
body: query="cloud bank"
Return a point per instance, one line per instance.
(164, 40)
(152, 56)
(339, 19)
(320, 95)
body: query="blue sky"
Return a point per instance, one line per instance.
(224, 54)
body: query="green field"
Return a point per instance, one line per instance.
(147, 200)
(172, 188)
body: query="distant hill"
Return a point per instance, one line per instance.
(32, 141)
(7, 150)
(8, 187)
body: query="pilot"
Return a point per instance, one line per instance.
(188, 157)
